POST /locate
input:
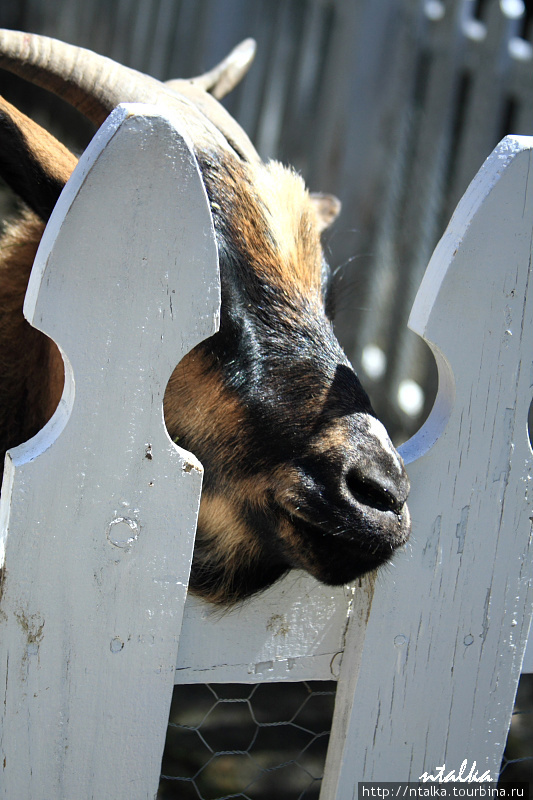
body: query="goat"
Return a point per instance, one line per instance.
(299, 473)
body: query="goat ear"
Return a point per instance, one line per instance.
(328, 207)
(32, 162)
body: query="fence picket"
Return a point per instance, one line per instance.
(98, 511)
(448, 625)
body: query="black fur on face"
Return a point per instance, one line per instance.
(298, 472)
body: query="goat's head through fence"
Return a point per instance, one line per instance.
(299, 473)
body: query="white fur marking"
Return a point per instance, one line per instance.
(379, 432)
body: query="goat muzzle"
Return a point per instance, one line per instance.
(346, 511)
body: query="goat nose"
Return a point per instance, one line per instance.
(383, 490)
(376, 477)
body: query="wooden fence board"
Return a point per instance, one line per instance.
(447, 629)
(98, 511)
(292, 632)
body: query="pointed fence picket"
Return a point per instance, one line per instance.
(449, 626)
(98, 510)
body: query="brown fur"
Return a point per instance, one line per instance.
(233, 547)
(30, 364)
(272, 218)
(186, 408)
(52, 156)
(269, 404)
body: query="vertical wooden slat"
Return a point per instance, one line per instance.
(98, 511)
(247, 106)
(405, 65)
(279, 70)
(448, 627)
(423, 194)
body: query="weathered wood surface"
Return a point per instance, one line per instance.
(443, 647)
(527, 663)
(99, 509)
(96, 563)
(292, 632)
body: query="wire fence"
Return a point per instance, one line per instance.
(253, 742)
(256, 742)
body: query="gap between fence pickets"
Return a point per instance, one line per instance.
(294, 631)
(448, 626)
(94, 584)
(264, 638)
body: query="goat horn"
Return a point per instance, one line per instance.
(95, 84)
(92, 83)
(223, 78)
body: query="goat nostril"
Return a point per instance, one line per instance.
(370, 492)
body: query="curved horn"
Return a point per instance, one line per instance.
(92, 83)
(223, 78)
(95, 85)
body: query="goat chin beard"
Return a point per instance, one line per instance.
(239, 553)
(230, 563)
(223, 580)
(331, 560)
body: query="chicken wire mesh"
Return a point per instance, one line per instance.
(256, 742)
(250, 742)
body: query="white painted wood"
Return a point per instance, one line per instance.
(444, 642)
(527, 662)
(292, 632)
(98, 510)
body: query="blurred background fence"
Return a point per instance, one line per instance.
(392, 105)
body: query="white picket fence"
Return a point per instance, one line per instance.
(98, 510)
